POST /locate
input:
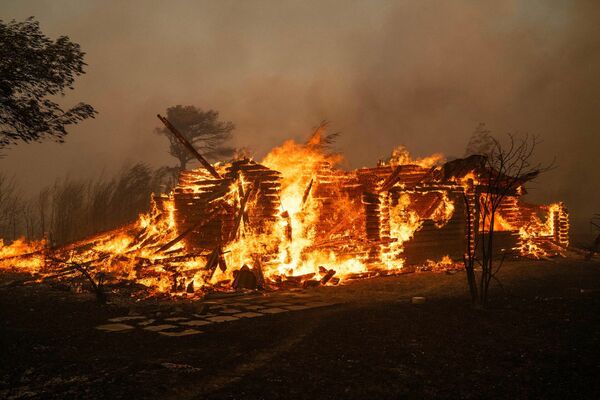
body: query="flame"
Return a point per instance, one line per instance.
(22, 256)
(300, 240)
(537, 229)
(401, 156)
(444, 264)
(299, 166)
(322, 225)
(468, 180)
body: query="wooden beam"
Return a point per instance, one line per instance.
(391, 179)
(307, 192)
(240, 215)
(189, 146)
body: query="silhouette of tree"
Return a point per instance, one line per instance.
(481, 141)
(34, 69)
(202, 129)
(504, 170)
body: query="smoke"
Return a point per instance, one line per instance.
(418, 73)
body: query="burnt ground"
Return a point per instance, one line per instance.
(539, 339)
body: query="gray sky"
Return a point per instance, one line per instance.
(418, 73)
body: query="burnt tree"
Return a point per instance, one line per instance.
(502, 172)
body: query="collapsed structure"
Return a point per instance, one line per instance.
(296, 219)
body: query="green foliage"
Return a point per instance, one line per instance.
(34, 69)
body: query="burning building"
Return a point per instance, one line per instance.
(296, 219)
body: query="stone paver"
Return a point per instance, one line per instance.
(127, 318)
(248, 314)
(196, 322)
(297, 308)
(222, 318)
(229, 311)
(114, 327)
(221, 310)
(318, 304)
(186, 332)
(158, 328)
(273, 310)
(204, 315)
(254, 307)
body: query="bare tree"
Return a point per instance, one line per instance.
(11, 204)
(71, 209)
(43, 201)
(505, 168)
(321, 139)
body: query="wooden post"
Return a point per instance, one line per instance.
(189, 146)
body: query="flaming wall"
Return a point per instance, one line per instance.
(297, 218)
(358, 215)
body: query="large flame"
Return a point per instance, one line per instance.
(536, 229)
(320, 228)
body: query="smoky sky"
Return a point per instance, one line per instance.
(418, 73)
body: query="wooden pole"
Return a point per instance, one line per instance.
(189, 146)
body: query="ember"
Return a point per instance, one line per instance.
(295, 220)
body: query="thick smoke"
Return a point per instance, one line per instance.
(419, 73)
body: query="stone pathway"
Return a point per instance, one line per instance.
(218, 311)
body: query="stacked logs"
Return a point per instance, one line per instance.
(340, 225)
(263, 213)
(561, 226)
(199, 207)
(432, 241)
(201, 203)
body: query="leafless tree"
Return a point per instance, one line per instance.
(72, 209)
(505, 168)
(11, 204)
(43, 200)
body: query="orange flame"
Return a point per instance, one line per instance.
(321, 224)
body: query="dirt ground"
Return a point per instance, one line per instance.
(365, 340)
